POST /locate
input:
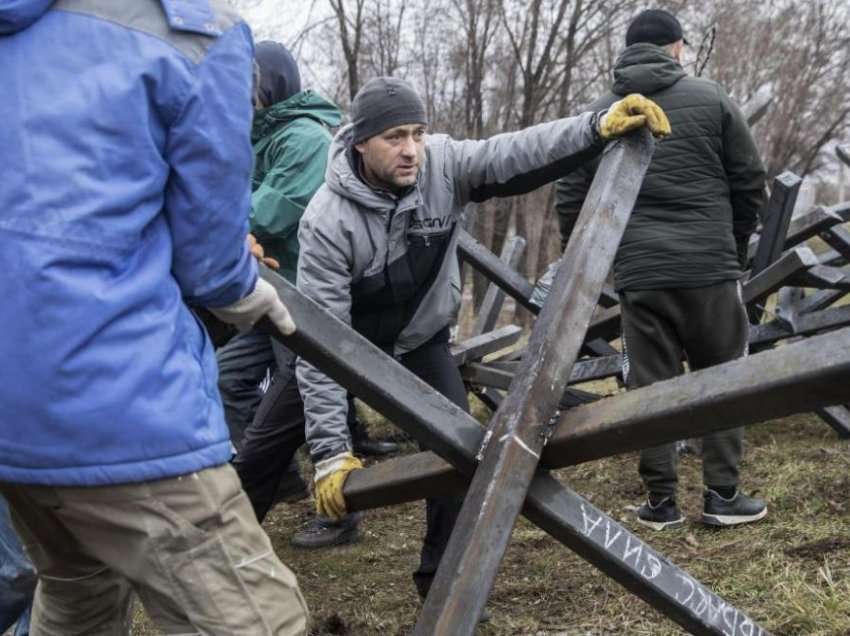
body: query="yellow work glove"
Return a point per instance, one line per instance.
(631, 112)
(330, 479)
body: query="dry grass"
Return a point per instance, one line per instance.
(791, 571)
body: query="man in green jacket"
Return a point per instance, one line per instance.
(679, 264)
(290, 136)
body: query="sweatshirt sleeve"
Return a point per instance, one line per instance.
(324, 275)
(519, 162)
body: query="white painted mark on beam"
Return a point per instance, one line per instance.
(521, 444)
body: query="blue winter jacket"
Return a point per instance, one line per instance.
(125, 163)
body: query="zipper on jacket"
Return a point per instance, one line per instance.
(389, 229)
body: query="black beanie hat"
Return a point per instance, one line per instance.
(383, 103)
(279, 77)
(655, 26)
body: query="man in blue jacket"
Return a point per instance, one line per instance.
(126, 160)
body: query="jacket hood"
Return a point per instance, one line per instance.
(303, 104)
(17, 15)
(645, 68)
(279, 75)
(342, 179)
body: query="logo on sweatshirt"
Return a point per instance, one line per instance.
(432, 223)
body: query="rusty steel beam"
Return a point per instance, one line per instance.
(822, 277)
(499, 375)
(838, 417)
(477, 347)
(778, 274)
(494, 298)
(821, 299)
(522, 423)
(813, 373)
(799, 377)
(435, 421)
(777, 217)
(807, 324)
(496, 270)
(813, 223)
(838, 238)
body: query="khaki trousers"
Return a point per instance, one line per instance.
(189, 546)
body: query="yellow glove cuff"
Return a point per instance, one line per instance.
(330, 480)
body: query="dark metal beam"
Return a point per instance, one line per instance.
(807, 324)
(500, 375)
(521, 425)
(432, 419)
(477, 347)
(813, 223)
(838, 417)
(822, 277)
(838, 238)
(494, 298)
(798, 377)
(821, 299)
(496, 270)
(605, 325)
(777, 217)
(777, 274)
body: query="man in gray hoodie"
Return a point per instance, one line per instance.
(378, 251)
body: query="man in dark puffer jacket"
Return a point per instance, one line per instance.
(678, 267)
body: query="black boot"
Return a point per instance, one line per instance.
(322, 532)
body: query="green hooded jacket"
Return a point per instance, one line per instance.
(704, 188)
(291, 140)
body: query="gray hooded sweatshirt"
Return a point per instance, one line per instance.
(387, 265)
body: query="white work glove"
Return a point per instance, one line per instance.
(263, 301)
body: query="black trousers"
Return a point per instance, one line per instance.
(244, 364)
(277, 432)
(707, 325)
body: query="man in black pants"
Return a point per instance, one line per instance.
(680, 260)
(378, 251)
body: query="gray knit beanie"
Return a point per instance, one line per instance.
(383, 103)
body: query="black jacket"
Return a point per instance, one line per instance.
(704, 188)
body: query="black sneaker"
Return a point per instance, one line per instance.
(739, 509)
(322, 532)
(665, 514)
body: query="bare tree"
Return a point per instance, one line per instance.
(351, 26)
